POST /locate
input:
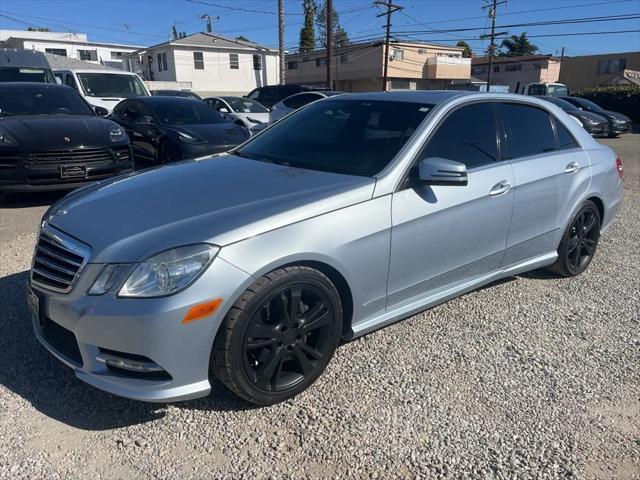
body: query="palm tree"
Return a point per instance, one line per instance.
(517, 46)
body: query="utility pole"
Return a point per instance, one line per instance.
(492, 13)
(390, 9)
(561, 62)
(208, 17)
(329, 43)
(281, 40)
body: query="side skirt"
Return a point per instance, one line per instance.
(441, 296)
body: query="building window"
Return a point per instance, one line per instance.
(496, 69)
(513, 68)
(292, 65)
(198, 60)
(611, 66)
(400, 84)
(537, 66)
(321, 61)
(478, 70)
(257, 62)
(162, 62)
(57, 51)
(346, 57)
(116, 55)
(398, 54)
(234, 63)
(423, 51)
(88, 55)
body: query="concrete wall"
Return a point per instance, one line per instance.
(582, 72)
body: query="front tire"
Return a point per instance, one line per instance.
(579, 242)
(279, 336)
(167, 153)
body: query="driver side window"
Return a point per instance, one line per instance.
(468, 135)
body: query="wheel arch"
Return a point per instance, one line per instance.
(599, 203)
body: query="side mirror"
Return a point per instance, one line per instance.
(223, 110)
(101, 111)
(442, 171)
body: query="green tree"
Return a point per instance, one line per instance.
(307, 32)
(517, 46)
(467, 52)
(340, 36)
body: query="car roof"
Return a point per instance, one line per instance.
(32, 85)
(160, 99)
(422, 96)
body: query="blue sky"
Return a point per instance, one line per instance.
(147, 22)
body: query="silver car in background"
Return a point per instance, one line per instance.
(344, 217)
(241, 110)
(299, 100)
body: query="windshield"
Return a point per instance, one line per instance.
(563, 104)
(186, 112)
(356, 137)
(111, 85)
(15, 74)
(42, 101)
(244, 105)
(557, 90)
(587, 105)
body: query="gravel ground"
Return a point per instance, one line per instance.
(533, 377)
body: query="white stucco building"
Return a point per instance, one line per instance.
(72, 45)
(206, 63)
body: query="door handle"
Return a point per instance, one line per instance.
(500, 188)
(573, 167)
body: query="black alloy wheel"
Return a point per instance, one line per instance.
(579, 242)
(167, 153)
(279, 336)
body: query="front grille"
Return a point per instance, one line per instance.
(9, 159)
(58, 260)
(61, 340)
(80, 155)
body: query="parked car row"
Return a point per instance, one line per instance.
(593, 118)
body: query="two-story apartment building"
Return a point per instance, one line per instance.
(512, 71)
(588, 71)
(359, 67)
(208, 64)
(65, 44)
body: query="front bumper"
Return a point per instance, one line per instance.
(619, 127)
(42, 171)
(84, 327)
(597, 128)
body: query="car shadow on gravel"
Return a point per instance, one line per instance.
(32, 199)
(30, 372)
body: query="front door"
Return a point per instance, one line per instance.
(444, 235)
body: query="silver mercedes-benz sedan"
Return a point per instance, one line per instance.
(348, 215)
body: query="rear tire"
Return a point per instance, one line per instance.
(279, 336)
(579, 242)
(167, 153)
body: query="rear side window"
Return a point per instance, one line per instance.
(467, 136)
(301, 100)
(565, 139)
(529, 130)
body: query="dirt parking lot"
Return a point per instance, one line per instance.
(533, 377)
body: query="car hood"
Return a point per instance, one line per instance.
(617, 116)
(52, 132)
(226, 133)
(589, 116)
(220, 200)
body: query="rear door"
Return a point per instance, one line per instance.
(445, 235)
(551, 172)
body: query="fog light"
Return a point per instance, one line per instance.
(141, 366)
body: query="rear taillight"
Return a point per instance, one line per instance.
(619, 167)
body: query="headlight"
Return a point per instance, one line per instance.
(7, 140)
(185, 137)
(169, 272)
(116, 134)
(253, 120)
(109, 275)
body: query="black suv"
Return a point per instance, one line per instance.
(51, 139)
(272, 94)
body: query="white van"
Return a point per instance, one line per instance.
(103, 88)
(553, 89)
